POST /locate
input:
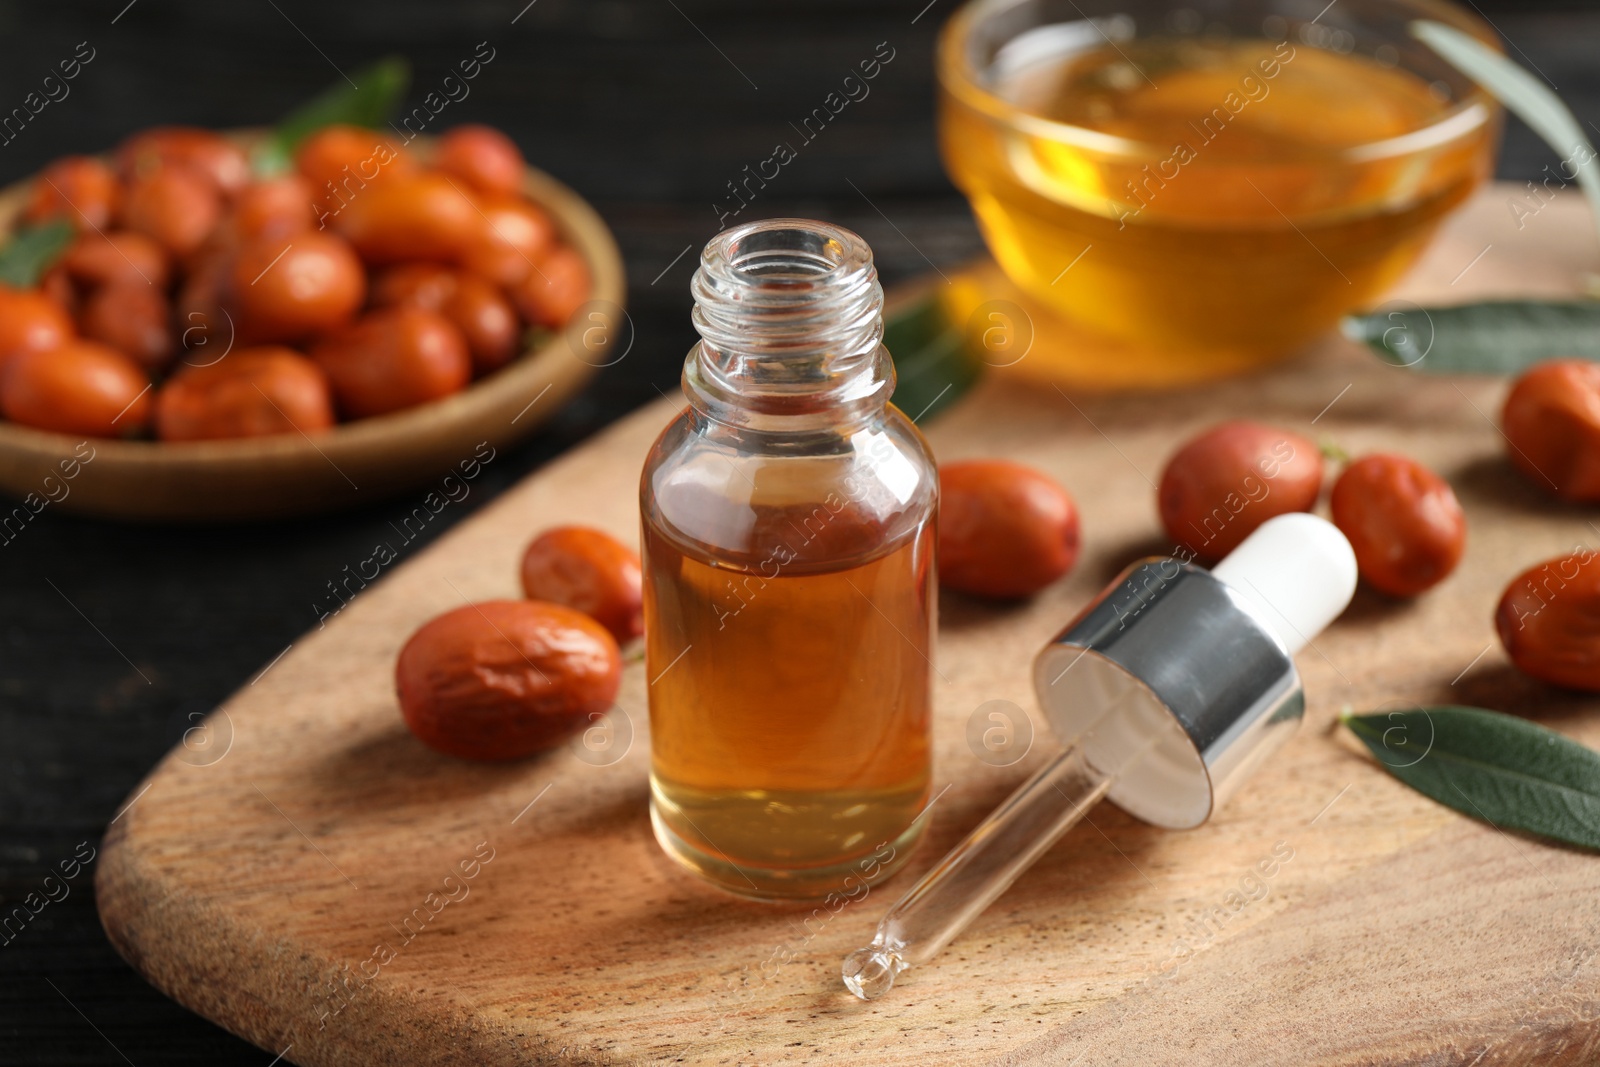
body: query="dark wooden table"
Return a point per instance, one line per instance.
(115, 635)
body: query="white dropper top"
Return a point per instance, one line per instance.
(1297, 571)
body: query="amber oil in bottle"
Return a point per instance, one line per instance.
(790, 603)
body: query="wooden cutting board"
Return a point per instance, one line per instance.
(307, 875)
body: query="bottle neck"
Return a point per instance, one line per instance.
(790, 316)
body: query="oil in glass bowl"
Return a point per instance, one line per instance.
(1218, 198)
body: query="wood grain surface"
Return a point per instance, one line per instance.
(255, 873)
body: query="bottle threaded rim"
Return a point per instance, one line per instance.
(790, 316)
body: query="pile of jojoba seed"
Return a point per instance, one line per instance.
(199, 300)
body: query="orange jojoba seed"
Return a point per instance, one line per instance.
(483, 157)
(252, 392)
(393, 358)
(1402, 520)
(1551, 421)
(289, 289)
(30, 321)
(1224, 483)
(1548, 620)
(590, 571)
(82, 387)
(1005, 530)
(504, 679)
(81, 189)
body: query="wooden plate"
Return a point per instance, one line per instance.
(305, 873)
(354, 463)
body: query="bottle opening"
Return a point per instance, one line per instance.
(785, 254)
(771, 252)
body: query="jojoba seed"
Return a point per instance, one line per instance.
(504, 679)
(1549, 621)
(1223, 484)
(590, 571)
(1551, 421)
(1005, 530)
(1402, 520)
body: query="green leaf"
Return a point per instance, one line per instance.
(32, 250)
(1503, 770)
(1523, 95)
(933, 366)
(1492, 337)
(374, 97)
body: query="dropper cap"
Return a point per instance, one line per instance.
(1199, 660)
(1168, 690)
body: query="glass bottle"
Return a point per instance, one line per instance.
(790, 591)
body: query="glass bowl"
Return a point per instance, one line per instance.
(1185, 190)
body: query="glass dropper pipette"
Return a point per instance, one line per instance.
(1170, 688)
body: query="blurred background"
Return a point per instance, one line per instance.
(114, 634)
